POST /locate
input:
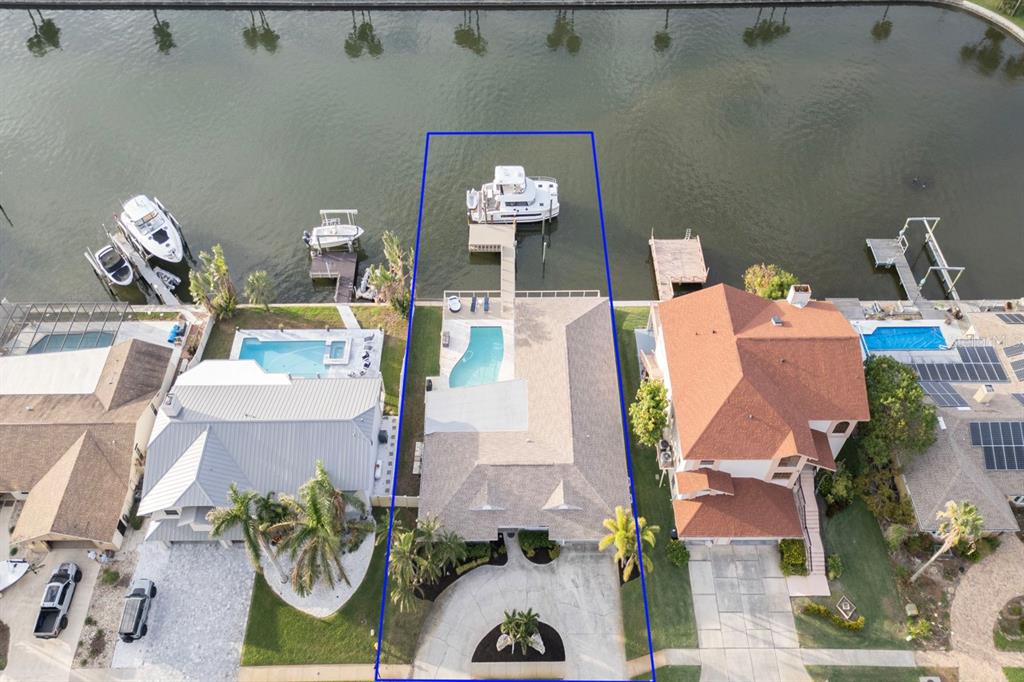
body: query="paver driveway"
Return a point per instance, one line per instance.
(744, 618)
(197, 621)
(577, 594)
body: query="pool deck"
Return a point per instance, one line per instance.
(458, 326)
(356, 338)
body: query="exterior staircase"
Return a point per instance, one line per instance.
(816, 583)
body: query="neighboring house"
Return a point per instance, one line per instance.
(762, 393)
(73, 431)
(541, 447)
(229, 421)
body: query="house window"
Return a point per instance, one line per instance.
(778, 476)
(791, 461)
(841, 427)
(122, 526)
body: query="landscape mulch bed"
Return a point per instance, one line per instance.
(541, 555)
(487, 650)
(432, 591)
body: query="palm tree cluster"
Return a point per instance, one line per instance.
(468, 36)
(392, 280)
(313, 529)
(260, 36)
(767, 30)
(521, 627)
(362, 38)
(564, 32)
(421, 556)
(622, 533)
(988, 55)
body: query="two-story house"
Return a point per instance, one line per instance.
(762, 393)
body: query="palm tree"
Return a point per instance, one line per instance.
(573, 42)
(251, 34)
(662, 39)
(959, 523)
(45, 35)
(883, 27)
(403, 569)
(469, 37)
(391, 280)
(353, 46)
(244, 514)
(987, 52)
(162, 34)
(258, 289)
(266, 36)
(520, 627)
(623, 535)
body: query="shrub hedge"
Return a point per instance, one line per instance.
(822, 611)
(793, 559)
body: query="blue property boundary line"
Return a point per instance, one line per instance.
(405, 367)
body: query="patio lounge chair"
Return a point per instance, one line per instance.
(472, 304)
(366, 365)
(368, 338)
(487, 303)
(446, 339)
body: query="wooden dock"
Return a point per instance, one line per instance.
(488, 238)
(889, 254)
(892, 253)
(677, 261)
(142, 266)
(339, 266)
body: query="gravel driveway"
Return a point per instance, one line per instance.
(197, 621)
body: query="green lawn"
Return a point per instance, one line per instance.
(1014, 674)
(994, 5)
(394, 326)
(668, 587)
(291, 317)
(424, 361)
(1003, 643)
(277, 634)
(868, 580)
(820, 673)
(674, 673)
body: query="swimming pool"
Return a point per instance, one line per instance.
(482, 360)
(72, 341)
(298, 358)
(904, 338)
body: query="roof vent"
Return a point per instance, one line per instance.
(171, 405)
(799, 295)
(776, 321)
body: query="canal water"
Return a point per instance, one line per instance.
(788, 137)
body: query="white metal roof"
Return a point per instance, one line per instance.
(65, 373)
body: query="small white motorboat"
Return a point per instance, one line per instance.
(513, 197)
(152, 228)
(111, 265)
(168, 278)
(11, 571)
(336, 230)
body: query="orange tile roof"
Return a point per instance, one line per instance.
(756, 510)
(823, 450)
(744, 388)
(695, 480)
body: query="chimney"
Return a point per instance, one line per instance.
(171, 405)
(799, 295)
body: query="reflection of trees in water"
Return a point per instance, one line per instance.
(883, 27)
(766, 30)
(362, 38)
(468, 36)
(987, 53)
(45, 35)
(162, 34)
(564, 32)
(262, 35)
(662, 39)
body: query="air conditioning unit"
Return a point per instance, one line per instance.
(984, 394)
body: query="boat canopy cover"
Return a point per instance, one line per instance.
(509, 175)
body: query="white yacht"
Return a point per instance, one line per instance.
(336, 230)
(513, 197)
(152, 228)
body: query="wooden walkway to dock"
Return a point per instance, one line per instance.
(892, 253)
(339, 266)
(677, 261)
(889, 254)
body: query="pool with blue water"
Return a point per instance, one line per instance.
(481, 362)
(298, 358)
(904, 338)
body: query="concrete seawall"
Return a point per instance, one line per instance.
(963, 5)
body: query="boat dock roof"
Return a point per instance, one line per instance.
(677, 261)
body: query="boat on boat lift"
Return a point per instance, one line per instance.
(151, 228)
(513, 197)
(337, 229)
(111, 265)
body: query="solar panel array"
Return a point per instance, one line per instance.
(1002, 443)
(1019, 397)
(1011, 318)
(1018, 369)
(979, 363)
(1014, 350)
(943, 394)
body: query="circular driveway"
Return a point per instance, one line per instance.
(577, 594)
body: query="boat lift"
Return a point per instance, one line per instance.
(893, 253)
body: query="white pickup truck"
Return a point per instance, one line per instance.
(53, 612)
